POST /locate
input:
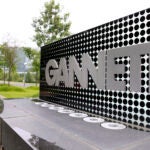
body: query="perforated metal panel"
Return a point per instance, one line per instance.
(131, 104)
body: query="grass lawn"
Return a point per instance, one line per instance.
(18, 92)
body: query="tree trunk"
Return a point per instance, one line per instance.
(36, 78)
(9, 75)
(4, 74)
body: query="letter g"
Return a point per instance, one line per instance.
(51, 72)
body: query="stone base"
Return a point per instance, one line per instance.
(27, 126)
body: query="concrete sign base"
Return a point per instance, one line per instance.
(27, 126)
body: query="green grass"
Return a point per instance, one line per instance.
(18, 92)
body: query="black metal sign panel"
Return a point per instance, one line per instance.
(104, 70)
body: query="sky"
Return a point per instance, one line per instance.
(16, 16)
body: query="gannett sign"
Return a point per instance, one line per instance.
(103, 71)
(55, 73)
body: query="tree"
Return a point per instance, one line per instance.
(1, 74)
(28, 77)
(34, 55)
(36, 65)
(52, 25)
(10, 59)
(29, 52)
(2, 64)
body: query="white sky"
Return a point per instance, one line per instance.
(16, 15)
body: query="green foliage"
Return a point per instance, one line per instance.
(15, 76)
(29, 78)
(52, 25)
(29, 52)
(20, 78)
(1, 74)
(1, 61)
(9, 58)
(34, 55)
(18, 92)
(36, 65)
